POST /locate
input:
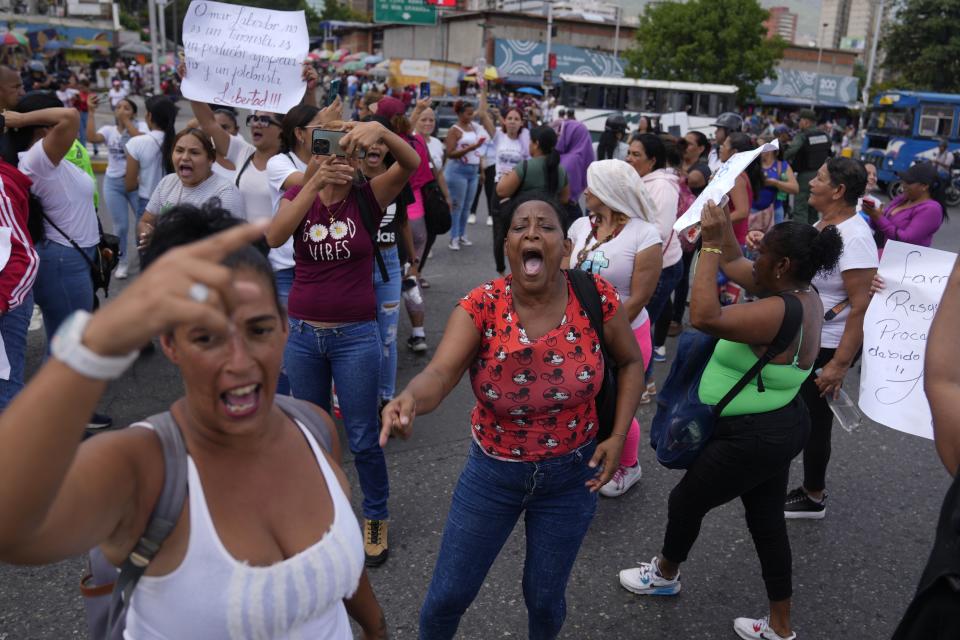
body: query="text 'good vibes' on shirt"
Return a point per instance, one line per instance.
(613, 260)
(171, 192)
(859, 252)
(535, 398)
(334, 261)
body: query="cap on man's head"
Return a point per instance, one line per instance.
(920, 173)
(781, 128)
(388, 107)
(808, 114)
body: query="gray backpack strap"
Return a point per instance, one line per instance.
(308, 417)
(162, 521)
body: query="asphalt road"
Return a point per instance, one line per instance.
(854, 572)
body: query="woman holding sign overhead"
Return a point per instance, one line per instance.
(845, 293)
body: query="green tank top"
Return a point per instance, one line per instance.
(730, 360)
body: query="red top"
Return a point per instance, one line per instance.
(18, 274)
(333, 275)
(423, 174)
(742, 227)
(535, 399)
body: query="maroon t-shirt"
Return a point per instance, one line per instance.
(333, 273)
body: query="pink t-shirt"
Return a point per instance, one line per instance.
(331, 281)
(420, 177)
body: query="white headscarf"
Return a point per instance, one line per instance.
(618, 185)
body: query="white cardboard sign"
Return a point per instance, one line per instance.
(721, 183)
(244, 57)
(895, 332)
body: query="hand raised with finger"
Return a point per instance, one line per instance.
(188, 284)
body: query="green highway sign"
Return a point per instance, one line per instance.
(404, 12)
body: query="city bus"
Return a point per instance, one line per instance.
(679, 106)
(906, 126)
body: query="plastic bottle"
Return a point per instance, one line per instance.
(844, 409)
(410, 290)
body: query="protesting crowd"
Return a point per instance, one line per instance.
(271, 264)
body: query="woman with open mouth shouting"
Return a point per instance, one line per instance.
(332, 305)
(192, 182)
(265, 538)
(535, 367)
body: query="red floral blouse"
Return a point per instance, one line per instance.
(535, 398)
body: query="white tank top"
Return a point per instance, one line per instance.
(211, 595)
(469, 138)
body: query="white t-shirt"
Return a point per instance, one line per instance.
(435, 147)
(279, 168)
(67, 96)
(66, 192)
(171, 192)
(510, 153)
(148, 151)
(116, 141)
(619, 153)
(116, 95)
(614, 260)
(859, 252)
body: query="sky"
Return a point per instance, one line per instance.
(808, 11)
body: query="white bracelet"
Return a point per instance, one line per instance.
(67, 347)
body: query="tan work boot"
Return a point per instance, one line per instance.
(375, 548)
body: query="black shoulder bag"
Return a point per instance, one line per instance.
(105, 257)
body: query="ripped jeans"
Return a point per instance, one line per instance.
(388, 316)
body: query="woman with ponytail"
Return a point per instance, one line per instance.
(758, 433)
(542, 172)
(149, 157)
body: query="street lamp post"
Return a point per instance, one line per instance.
(152, 15)
(816, 87)
(616, 34)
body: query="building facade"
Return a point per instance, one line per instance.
(782, 22)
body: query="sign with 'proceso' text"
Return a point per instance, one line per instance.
(895, 332)
(244, 56)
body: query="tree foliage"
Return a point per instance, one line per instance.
(922, 45)
(719, 41)
(333, 10)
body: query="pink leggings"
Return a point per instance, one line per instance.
(632, 444)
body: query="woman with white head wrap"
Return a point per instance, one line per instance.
(617, 242)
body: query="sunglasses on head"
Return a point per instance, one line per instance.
(265, 121)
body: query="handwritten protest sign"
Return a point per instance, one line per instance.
(895, 336)
(721, 183)
(244, 56)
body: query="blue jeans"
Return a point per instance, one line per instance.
(13, 328)
(284, 280)
(349, 356)
(388, 316)
(669, 278)
(487, 502)
(462, 180)
(119, 201)
(63, 285)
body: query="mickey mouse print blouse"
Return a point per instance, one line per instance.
(535, 398)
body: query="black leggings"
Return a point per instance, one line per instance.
(747, 457)
(499, 235)
(816, 453)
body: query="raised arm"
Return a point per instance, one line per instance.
(386, 187)
(64, 126)
(291, 212)
(82, 495)
(208, 123)
(485, 118)
(941, 376)
(92, 134)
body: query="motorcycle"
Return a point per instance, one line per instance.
(951, 193)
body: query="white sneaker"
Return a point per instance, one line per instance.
(757, 629)
(623, 478)
(472, 218)
(646, 580)
(121, 272)
(465, 242)
(36, 319)
(454, 245)
(489, 221)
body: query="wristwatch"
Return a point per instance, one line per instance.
(67, 347)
